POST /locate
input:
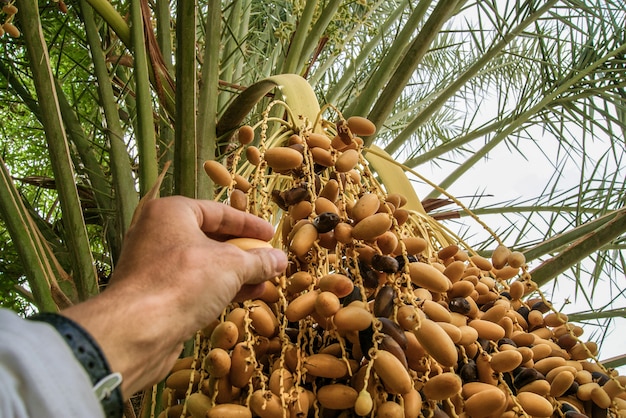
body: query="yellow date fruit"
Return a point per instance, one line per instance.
(428, 277)
(283, 158)
(361, 126)
(436, 342)
(534, 404)
(392, 372)
(218, 173)
(229, 410)
(337, 396)
(325, 365)
(442, 386)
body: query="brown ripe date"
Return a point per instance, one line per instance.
(346, 161)
(442, 386)
(225, 335)
(385, 263)
(245, 134)
(325, 365)
(327, 304)
(366, 206)
(326, 221)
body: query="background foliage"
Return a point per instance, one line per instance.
(94, 107)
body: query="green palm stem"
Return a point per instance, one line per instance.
(185, 149)
(122, 77)
(243, 29)
(557, 242)
(291, 65)
(121, 170)
(459, 142)
(604, 92)
(236, 19)
(613, 362)
(164, 33)
(207, 104)
(106, 10)
(86, 153)
(92, 169)
(338, 89)
(515, 209)
(472, 71)
(29, 243)
(145, 137)
(77, 239)
(593, 315)
(160, 74)
(389, 64)
(316, 32)
(620, 108)
(122, 29)
(562, 87)
(166, 132)
(406, 67)
(305, 39)
(583, 247)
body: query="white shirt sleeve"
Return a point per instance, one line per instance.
(39, 375)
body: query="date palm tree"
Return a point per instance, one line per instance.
(100, 97)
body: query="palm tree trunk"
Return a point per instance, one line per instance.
(185, 148)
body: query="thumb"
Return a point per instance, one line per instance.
(261, 264)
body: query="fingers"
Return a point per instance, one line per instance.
(213, 218)
(217, 218)
(248, 292)
(262, 264)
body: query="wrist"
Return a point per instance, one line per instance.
(88, 353)
(134, 333)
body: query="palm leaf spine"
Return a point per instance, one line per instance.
(77, 239)
(207, 104)
(121, 171)
(145, 136)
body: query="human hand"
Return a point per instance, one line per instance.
(174, 276)
(177, 245)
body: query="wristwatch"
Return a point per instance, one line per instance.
(106, 385)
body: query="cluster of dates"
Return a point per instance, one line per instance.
(381, 312)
